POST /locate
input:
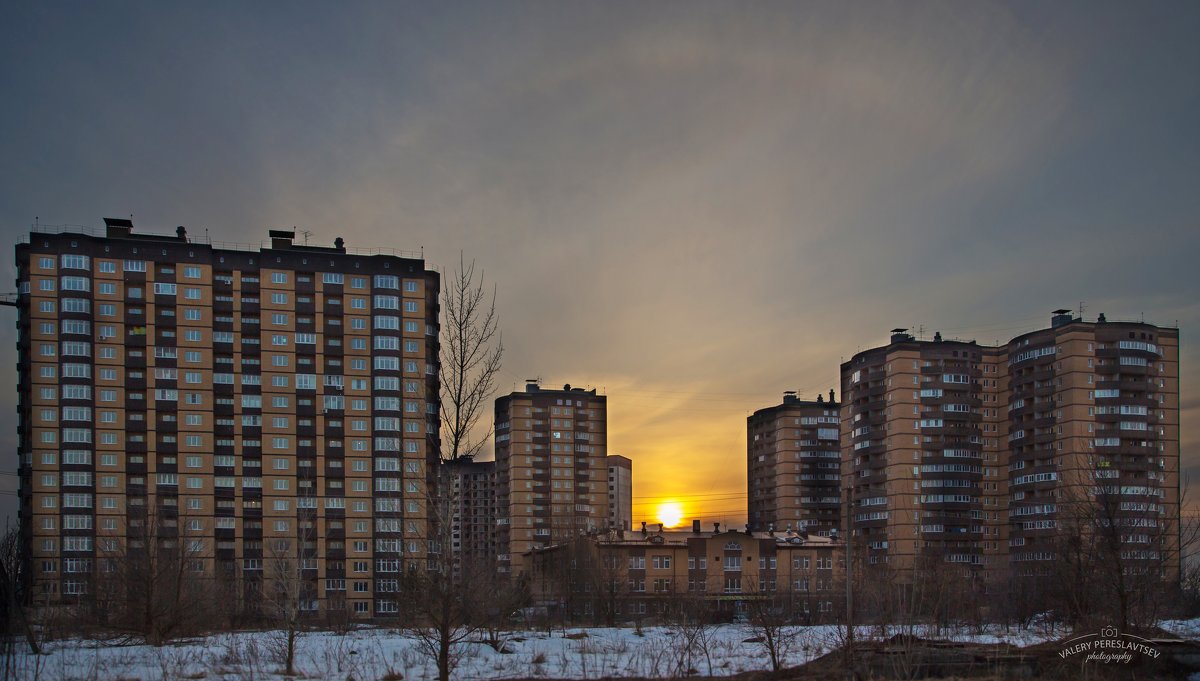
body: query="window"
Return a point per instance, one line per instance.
(76, 305)
(387, 302)
(76, 284)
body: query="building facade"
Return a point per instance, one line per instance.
(469, 490)
(617, 576)
(793, 465)
(551, 448)
(988, 458)
(620, 492)
(228, 407)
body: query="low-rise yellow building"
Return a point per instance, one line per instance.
(723, 574)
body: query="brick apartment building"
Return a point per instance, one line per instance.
(984, 456)
(226, 404)
(793, 466)
(551, 474)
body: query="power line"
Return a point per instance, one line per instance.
(687, 496)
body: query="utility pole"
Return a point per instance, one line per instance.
(849, 587)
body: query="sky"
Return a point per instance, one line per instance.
(690, 206)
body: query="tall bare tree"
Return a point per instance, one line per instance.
(1118, 550)
(14, 619)
(472, 348)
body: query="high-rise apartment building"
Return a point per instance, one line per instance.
(550, 469)
(793, 466)
(989, 456)
(620, 492)
(469, 490)
(922, 452)
(229, 406)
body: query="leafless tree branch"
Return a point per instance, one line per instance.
(471, 355)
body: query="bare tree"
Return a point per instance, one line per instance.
(470, 358)
(442, 615)
(690, 616)
(1118, 552)
(500, 598)
(445, 608)
(769, 618)
(285, 582)
(155, 583)
(14, 619)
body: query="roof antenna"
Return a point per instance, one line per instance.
(306, 234)
(1082, 307)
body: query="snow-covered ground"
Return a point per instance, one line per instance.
(380, 654)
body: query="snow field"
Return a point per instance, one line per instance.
(385, 655)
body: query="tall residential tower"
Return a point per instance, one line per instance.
(793, 466)
(550, 469)
(995, 457)
(229, 405)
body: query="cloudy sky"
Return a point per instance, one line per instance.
(690, 206)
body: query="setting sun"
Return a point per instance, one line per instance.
(670, 513)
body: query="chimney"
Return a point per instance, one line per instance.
(716, 528)
(789, 396)
(937, 337)
(181, 233)
(660, 528)
(820, 399)
(340, 244)
(1102, 319)
(567, 387)
(696, 526)
(643, 528)
(831, 398)
(900, 335)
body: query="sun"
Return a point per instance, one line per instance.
(670, 513)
